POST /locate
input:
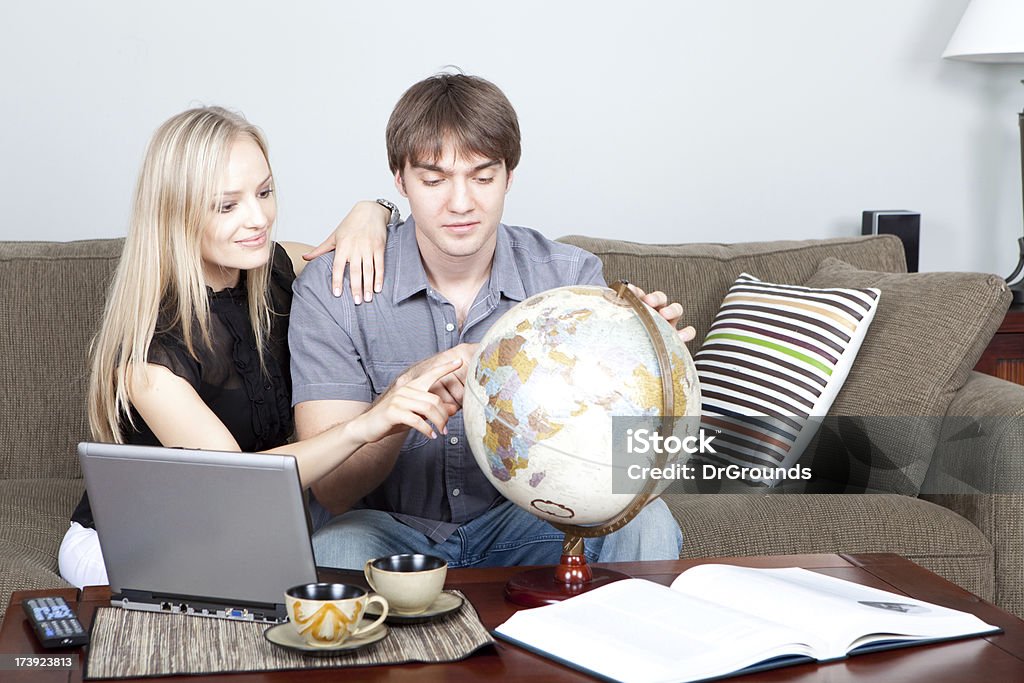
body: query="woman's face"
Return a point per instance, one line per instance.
(237, 235)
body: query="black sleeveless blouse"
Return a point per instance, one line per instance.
(254, 404)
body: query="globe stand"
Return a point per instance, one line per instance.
(573, 575)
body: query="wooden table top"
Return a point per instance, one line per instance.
(998, 657)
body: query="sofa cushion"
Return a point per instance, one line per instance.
(22, 570)
(699, 275)
(934, 537)
(776, 355)
(35, 513)
(34, 516)
(928, 334)
(53, 295)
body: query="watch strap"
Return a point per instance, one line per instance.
(396, 215)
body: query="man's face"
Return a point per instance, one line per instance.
(457, 201)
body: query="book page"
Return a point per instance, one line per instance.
(637, 630)
(848, 614)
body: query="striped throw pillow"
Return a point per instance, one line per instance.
(774, 359)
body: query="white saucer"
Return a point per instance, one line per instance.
(283, 635)
(446, 603)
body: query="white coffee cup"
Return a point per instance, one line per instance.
(409, 582)
(327, 614)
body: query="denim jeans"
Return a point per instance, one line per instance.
(504, 536)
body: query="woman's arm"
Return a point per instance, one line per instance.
(359, 240)
(178, 417)
(174, 411)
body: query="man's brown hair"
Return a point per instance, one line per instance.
(470, 112)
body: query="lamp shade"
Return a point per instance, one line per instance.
(990, 31)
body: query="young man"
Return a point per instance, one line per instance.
(452, 270)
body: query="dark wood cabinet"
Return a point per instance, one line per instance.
(1004, 357)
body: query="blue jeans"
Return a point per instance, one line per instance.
(504, 536)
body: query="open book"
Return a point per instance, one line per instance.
(718, 620)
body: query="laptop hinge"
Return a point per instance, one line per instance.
(184, 604)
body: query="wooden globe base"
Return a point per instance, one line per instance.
(539, 587)
(572, 576)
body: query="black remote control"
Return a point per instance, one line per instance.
(54, 622)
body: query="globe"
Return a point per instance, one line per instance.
(544, 386)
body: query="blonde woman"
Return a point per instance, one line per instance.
(192, 348)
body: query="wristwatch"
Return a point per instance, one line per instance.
(396, 215)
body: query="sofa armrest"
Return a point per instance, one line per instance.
(978, 472)
(987, 395)
(981, 440)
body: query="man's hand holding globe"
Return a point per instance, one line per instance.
(671, 312)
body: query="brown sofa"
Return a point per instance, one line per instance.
(53, 294)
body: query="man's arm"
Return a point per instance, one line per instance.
(331, 387)
(371, 464)
(364, 470)
(372, 435)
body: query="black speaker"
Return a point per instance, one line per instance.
(904, 224)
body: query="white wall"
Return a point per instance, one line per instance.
(694, 120)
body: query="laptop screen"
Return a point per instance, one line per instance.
(201, 528)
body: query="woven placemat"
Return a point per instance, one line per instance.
(128, 643)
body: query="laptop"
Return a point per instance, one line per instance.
(199, 532)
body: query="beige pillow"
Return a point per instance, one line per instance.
(928, 334)
(929, 331)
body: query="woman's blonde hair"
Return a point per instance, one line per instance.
(161, 267)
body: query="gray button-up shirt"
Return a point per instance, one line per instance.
(340, 351)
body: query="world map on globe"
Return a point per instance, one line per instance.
(542, 390)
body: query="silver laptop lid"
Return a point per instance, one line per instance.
(209, 527)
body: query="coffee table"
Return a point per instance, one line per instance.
(998, 657)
